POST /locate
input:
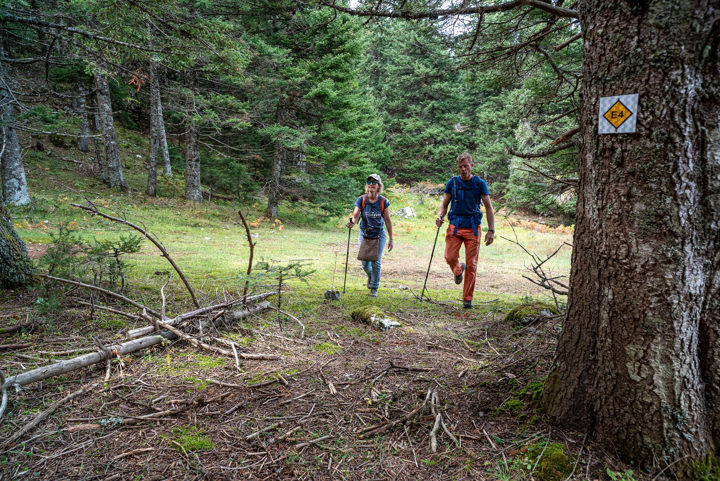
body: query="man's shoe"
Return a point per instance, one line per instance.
(467, 305)
(458, 279)
(373, 292)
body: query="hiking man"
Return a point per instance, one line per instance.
(465, 191)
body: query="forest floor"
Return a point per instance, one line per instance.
(306, 415)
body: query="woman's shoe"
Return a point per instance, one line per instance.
(373, 292)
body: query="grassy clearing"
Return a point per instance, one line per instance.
(210, 245)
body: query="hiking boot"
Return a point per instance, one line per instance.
(368, 281)
(458, 279)
(373, 292)
(467, 305)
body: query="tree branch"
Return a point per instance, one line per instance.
(549, 8)
(428, 13)
(577, 36)
(544, 153)
(41, 23)
(94, 210)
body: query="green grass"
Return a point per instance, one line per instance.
(209, 243)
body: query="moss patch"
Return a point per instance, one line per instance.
(524, 314)
(553, 465)
(364, 313)
(375, 317)
(328, 348)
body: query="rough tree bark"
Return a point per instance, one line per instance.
(83, 141)
(14, 183)
(95, 129)
(638, 361)
(112, 152)
(15, 267)
(193, 189)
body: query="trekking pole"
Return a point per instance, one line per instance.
(431, 258)
(347, 256)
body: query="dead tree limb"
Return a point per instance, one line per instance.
(43, 415)
(195, 342)
(3, 403)
(545, 281)
(86, 360)
(95, 211)
(134, 317)
(252, 253)
(575, 37)
(142, 331)
(120, 297)
(109, 352)
(376, 429)
(17, 327)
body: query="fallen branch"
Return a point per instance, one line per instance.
(379, 428)
(17, 327)
(142, 331)
(3, 403)
(132, 453)
(95, 211)
(152, 312)
(193, 341)
(86, 360)
(7, 347)
(40, 417)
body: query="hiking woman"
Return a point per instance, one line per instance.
(373, 209)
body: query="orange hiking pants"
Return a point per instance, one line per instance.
(452, 254)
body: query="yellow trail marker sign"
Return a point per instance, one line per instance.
(618, 114)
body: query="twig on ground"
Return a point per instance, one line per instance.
(313, 441)
(40, 417)
(133, 453)
(287, 314)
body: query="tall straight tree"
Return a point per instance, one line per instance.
(113, 162)
(638, 360)
(193, 188)
(14, 183)
(80, 108)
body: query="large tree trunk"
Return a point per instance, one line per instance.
(638, 361)
(15, 267)
(83, 141)
(274, 190)
(193, 189)
(95, 129)
(112, 151)
(14, 183)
